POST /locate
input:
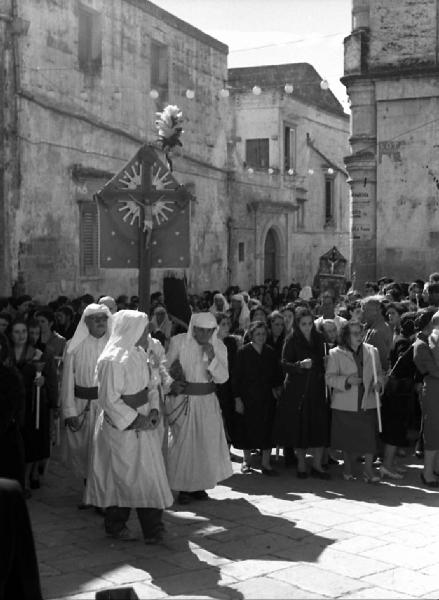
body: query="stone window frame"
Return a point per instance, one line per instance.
(89, 46)
(156, 82)
(241, 252)
(291, 127)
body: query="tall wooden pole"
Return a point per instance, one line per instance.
(145, 237)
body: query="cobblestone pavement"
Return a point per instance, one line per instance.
(257, 537)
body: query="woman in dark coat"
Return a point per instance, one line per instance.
(398, 400)
(426, 364)
(256, 384)
(12, 465)
(30, 362)
(302, 419)
(224, 390)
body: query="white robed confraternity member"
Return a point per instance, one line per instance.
(79, 390)
(198, 456)
(127, 467)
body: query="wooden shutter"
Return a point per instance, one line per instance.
(88, 239)
(257, 153)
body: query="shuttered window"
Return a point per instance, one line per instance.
(88, 233)
(257, 153)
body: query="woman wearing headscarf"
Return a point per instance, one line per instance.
(161, 323)
(79, 392)
(198, 456)
(220, 304)
(127, 467)
(240, 315)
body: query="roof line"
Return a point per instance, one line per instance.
(322, 155)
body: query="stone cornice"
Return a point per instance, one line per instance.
(392, 73)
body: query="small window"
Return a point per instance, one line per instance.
(241, 253)
(301, 216)
(159, 70)
(89, 40)
(257, 153)
(289, 148)
(88, 239)
(329, 201)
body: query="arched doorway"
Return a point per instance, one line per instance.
(271, 255)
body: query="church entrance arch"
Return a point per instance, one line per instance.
(271, 255)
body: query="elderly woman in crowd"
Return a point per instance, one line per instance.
(256, 385)
(349, 374)
(220, 304)
(302, 419)
(424, 358)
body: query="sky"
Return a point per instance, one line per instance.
(263, 32)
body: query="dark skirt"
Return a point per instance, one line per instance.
(354, 432)
(430, 415)
(397, 403)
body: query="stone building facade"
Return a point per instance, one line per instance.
(77, 79)
(392, 79)
(289, 196)
(77, 76)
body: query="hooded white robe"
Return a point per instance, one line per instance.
(198, 456)
(127, 467)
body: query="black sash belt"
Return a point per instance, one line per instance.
(199, 389)
(86, 393)
(136, 400)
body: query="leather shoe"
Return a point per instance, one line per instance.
(390, 474)
(320, 474)
(431, 484)
(125, 535)
(200, 495)
(184, 498)
(246, 469)
(269, 472)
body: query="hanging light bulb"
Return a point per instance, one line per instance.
(289, 88)
(330, 171)
(224, 93)
(154, 94)
(310, 171)
(290, 171)
(256, 90)
(250, 171)
(190, 94)
(324, 84)
(270, 171)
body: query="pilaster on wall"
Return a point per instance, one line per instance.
(362, 168)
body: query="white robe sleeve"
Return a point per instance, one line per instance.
(68, 404)
(165, 378)
(218, 367)
(111, 387)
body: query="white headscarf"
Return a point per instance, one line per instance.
(305, 293)
(127, 327)
(206, 320)
(82, 331)
(244, 315)
(213, 309)
(166, 325)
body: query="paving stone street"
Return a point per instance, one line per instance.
(257, 537)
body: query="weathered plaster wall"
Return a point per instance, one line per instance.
(44, 232)
(403, 33)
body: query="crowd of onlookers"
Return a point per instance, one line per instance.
(305, 368)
